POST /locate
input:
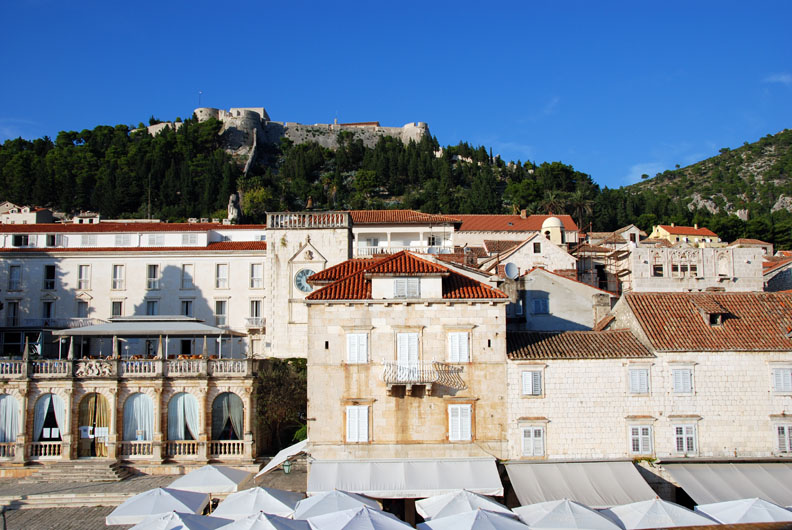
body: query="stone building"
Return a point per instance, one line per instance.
(693, 235)
(475, 229)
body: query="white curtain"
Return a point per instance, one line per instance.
(183, 417)
(227, 405)
(42, 406)
(9, 418)
(59, 407)
(139, 416)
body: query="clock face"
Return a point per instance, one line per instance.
(300, 280)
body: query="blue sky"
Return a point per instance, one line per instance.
(616, 89)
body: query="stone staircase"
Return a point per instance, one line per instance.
(78, 471)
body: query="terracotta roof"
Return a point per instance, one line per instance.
(399, 217)
(602, 324)
(596, 249)
(496, 247)
(222, 245)
(688, 231)
(566, 277)
(357, 285)
(615, 344)
(479, 252)
(785, 253)
(772, 263)
(511, 223)
(613, 238)
(752, 321)
(52, 228)
(342, 270)
(747, 241)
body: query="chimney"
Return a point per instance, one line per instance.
(523, 213)
(672, 224)
(695, 225)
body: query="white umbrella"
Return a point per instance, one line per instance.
(156, 502)
(459, 501)
(331, 501)
(179, 521)
(563, 514)
(656, 513)
(266, 521)
(251, 501)
(283, 455)
(213, 479)
(745, 511)
(360, 518)
(475, 520)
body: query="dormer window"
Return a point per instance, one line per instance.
(407, 288)
(716, 319)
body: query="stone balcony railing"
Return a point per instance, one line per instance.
(427, 374)
(14, 369)
(393, 249)
(255, 322)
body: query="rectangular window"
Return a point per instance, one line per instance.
(88, 240)
(782, 379)
(20, 240)
(639, 380)
(537, 248)
(190, 239)
(459, 423)
(532, 383)
(187, 308)
(14, 277)
(357, 348)
(540, 306)
(255, 308)
(657, 271)
(407, 288)
(256, 275)
(187, 276)
(50, 240)
(47, 309)
(117, 308)
(123, 240)
(12, 313)
(685, 438)
(357, 424)
(458, 351)
(84, 277)
(152, 277)
(407, 351)
(118, 277)
(784, 434)
(641, 439)
(49, 277)
(152, 307)
(683, 380)
(533, 441)
(155, 240)
(221, 276)
(221, 312)
(82, 309)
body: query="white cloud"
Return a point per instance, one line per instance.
(11, 128)
(646, 168)
(784, 79)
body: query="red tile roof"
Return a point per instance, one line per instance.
(567, 277)
(479, 252)
(511, 223)
(493, 247)
(399, 217)
(752, 321)
(52, 228)
(771, 263)
(748, 241)
(614, 344)
(688, 231)
(785, 253)
(342, 270)
(603, 324)
(357, 285)
(222, 245)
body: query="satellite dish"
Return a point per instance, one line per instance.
(512, 271)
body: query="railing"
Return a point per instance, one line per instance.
(12, 322)
(8, 450)
(51, 368)
(140, 367)
(181, 367)
(12, 369)
(44, 449)
(135, 449)
(226, 448)
(60, 323)
(128, 368)
(426, 373)
(308, 220)
(254, 322)
(392, 249)
(179, 448)
(228, 367)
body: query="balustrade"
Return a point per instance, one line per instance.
(51, 368)
(308, 220)
(8, 450)
(140, 367)
(135, 449)
(424, 373)
(180, 448)
(44, 450)
(229, 367)
(226, 448)
(185, 367)
(12, 369)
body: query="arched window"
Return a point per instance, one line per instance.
(9, 418)
(227, 414)
(94, 424)
(138, 418)
(49, 418)
(183, 417)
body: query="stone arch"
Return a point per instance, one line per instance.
(138, 417)
(49, 412)
(184, 416)
(93, 420)
(228, 417)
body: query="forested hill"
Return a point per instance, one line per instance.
(187, 173)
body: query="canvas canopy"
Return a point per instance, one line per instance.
(711, 483)
(213, 479)
(475, 520)
(745, 511)
(563, 514)
(457, 502)
(360, 518)
(180, 521)
(656, 513)
(406, 479)
(251, 501)
(266, 521)
(331, 501)
(157, 501)
(594, 484)
(283, 455)
(146, 327)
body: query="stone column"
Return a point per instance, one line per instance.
(205, 414)
(66, 432)
(156, 450)
(112, 439)
(249, 403)
(21, 442)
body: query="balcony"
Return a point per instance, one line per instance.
(136, 450)
(289, 220)
(393, 249)
(255, 322)
(44, 450)
(179, 449)
(222, 449)
(427, 374)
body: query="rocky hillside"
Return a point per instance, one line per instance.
(755, 177)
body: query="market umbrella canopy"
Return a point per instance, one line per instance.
(563, 514)
(157, 501)
(456, 502)
(251, 501)
(180, 521)
(213, 479)
(360, 518)
(284, 455)
(475, 520)
(266, 521)
(331, 501)
(656, 513)
(746, 511)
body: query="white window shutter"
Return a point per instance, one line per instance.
(465, 422)
(363, 348)
(538, 441)
(784, 438)
(526, 383)
(644, 385)
(412, 340)
(646, 440)
(453, 422)
(413, 287)
(527, 442)
(400, 288)
(536, 383)
(352, 348)
(464, 353)
(453, 347)
(352, 424)
(634, 381)
(362, 431)
(402, 349)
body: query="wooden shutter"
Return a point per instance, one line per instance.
(400, 288)
(412, 343)
(538, 441)
(465, 422)
(682, 380)
(527, 442)
(402, 349)
(526, 383)
(646, 439)
(639, 381)
(352, 424)
(357, 347)
(363, 424)
(784, 438)
(536, 383)
(453, 422)
(458, 347)
(352, 348)
(782, 380)
(362, 347)
(413, 287)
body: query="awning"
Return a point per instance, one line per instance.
(143, 327)
(708, 483)
(405, 479)
(282, 456)
(594, 484)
